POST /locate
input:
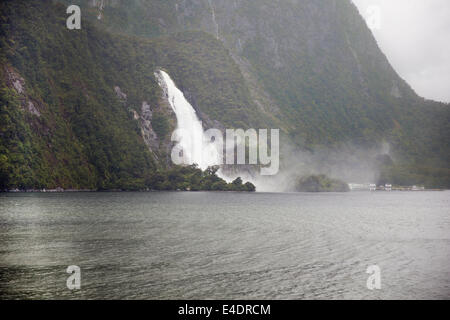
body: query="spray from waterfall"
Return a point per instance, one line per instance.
(193, 142)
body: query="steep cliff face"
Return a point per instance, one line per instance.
(313, 68)
(97, 117)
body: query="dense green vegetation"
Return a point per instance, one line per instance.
(85, 135)
(321, 183)
(317, 64)
(327, 91)
(191, 178)
(321, 67)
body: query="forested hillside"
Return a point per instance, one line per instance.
(82, 109)
(313, 68)
(72, 100)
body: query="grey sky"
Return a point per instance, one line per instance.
(415, 36)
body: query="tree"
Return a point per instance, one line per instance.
(250, 187)
(237, 182)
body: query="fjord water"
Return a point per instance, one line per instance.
(225, 245)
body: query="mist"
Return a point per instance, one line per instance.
(349, 163)
(415, 36)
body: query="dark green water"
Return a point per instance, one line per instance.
(225, 245)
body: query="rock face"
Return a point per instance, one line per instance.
(121, 95)
(158, 146)
(17, 83)
(321, 183)
(148, 134)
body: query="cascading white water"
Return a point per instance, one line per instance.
(191, 137)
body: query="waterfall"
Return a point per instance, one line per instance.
(194, 143)
(213, 13)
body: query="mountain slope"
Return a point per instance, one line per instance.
(313, 67)
(73, 102)
(97, 118)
